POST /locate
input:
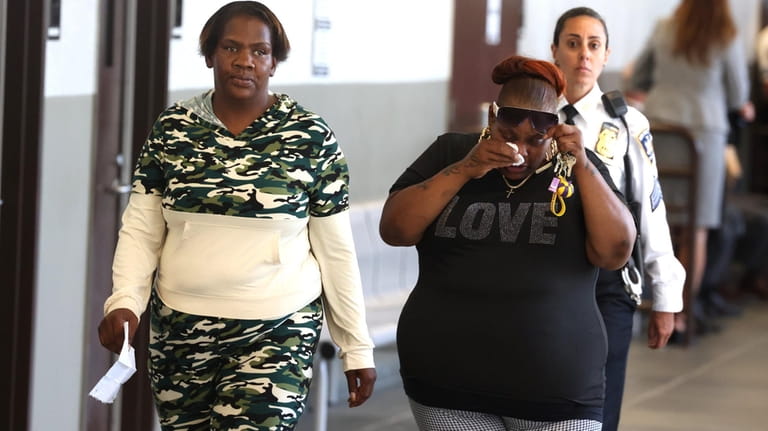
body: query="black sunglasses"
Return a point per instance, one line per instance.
(512, 117)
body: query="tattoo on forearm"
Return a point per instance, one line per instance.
(450, 170)
(590, 168)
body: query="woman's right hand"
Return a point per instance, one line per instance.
(489, 153)
(111, 333)
(408, 212)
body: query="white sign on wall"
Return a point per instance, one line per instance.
(321, 38)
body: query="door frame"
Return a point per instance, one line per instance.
(150, 98)
(474, 58)
(103, 223)
(21, 142)
(132, 91)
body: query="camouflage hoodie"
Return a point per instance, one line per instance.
(253, 226)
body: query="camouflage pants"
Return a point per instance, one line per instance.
(226, 374)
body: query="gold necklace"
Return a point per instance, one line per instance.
(512, 188)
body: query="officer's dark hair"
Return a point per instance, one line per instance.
(573, 13)
(214, 27)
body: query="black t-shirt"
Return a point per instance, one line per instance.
(503, 318)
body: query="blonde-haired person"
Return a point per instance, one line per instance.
(501, 331)
(580, 49)
(695, 71)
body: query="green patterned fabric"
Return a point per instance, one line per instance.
(212, 373)
(286, 164)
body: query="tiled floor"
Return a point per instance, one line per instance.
(720, 383)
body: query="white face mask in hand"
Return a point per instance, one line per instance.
(108, 387)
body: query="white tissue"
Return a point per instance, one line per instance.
(108, 387)
(519, 159)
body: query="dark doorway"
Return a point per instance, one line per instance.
(485, 32)
(755, 155)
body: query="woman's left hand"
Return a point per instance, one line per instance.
(747, 112)
(568, 139)
(660, 328)
(360, 383)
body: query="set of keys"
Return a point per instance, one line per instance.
(564, 163)
(560, 187)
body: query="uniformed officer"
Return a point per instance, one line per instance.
(580, 49)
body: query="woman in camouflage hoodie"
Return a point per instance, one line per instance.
(239, 203)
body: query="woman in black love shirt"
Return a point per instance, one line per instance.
(502, 331)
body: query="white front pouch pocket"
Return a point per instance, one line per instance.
(200, 257)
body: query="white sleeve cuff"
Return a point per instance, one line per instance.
(668, 294)
(357, 360)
